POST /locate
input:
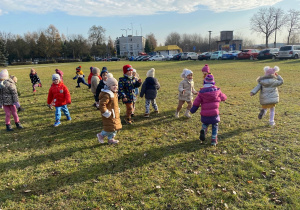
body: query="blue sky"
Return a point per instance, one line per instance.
(160, 17)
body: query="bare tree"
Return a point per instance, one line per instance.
(151, 41)
(267, 21)
(292, 22)
(97, 34)
(173, 39)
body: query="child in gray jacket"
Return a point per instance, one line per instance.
(269, 95)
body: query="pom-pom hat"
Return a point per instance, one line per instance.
(268, 70)
(151, 72)
(78, 68)
(206, 69)
(55, 77)
(127, 68)
(209, 79)
(4, 74)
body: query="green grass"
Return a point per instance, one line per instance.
(159, 163)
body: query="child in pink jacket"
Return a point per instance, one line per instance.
(209, 98)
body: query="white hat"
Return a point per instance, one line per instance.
(151, 72)
(4, 74)
(55, 77)
(111, 81)
(110, 75)
(185, 72)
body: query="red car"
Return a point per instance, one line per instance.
(248, 54)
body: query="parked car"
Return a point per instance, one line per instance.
(217, 55)
(271, 53)
(204, 56)
(248, 54)
(157, 58)
(231, 55)
(169, 57)
(114, 59)
(98, 59)
(189, 56)
(177, 57)
(138, 57)
(289, 51)
(146, 58)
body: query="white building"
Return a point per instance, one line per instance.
(131, 45)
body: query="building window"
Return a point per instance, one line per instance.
(137, 45)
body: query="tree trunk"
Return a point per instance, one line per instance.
(267, 41)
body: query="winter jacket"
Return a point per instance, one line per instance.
(188, 86)
(90, 78)
(98, 90)
(59, 95)
(94, 83)
(149, 88)
(126, 88)
(34, 78)
(8, 92)
(268, 89)
(109, 108)
(209, 98)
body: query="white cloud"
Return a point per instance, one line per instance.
(104, 8)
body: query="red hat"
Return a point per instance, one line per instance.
(205, 68)
(127, 68)
(78, 68)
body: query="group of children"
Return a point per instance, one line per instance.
(108, 91)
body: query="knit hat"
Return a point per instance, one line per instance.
(151, 72)
(55, 77)
(78, 68)
(209, 79)
(14, 78)
(127, 68)
(111, 81)
(185, 72)
(206, 68)
(95, 70)
(4, 74)
(268, 70)
(104, 69)
(110, 75)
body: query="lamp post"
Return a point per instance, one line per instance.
(126, 39)
(275, 30)
(209, 40)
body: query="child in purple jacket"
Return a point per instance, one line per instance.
(209, 97)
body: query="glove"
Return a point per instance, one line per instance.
(17, 105)
(83, 75)
(75, 77)
(194, 109)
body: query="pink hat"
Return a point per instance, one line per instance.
(268, 70)
(209, 79)
(206, 68)
(4, 74)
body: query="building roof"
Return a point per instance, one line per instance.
(168, 47)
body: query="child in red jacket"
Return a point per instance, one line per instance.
(59, 96)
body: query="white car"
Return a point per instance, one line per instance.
(157, 58)
(169, 57)
(189, 56)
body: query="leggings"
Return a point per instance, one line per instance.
(10, 109)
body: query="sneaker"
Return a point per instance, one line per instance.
(100, 138)
(19, 126)
(272, 123)
(113, 141)
(69, 118)
(34, 91)
(77, 86)
(146, 115)
(214, 142)
(8, 127)
(202, 135)
(132, 114)
(187, 114)
(128, 121)
(261, 113)
(176, 114)
(57, 123)
(156, 111)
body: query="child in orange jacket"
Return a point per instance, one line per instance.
(59, 96)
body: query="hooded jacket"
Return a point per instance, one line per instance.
(149, 88)
(188, 86)
(268, 89)
(8, 92)
(59, 95)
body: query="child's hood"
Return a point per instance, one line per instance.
(267, 80)
(210, 93)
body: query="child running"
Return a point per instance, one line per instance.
(109, 108)
(127, 84)
(35, 80)
(209, 98)
(80, 77)
(9, 100)
(269, 96)
(59, 96)
(186, 91)
(149, 89)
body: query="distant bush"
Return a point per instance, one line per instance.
(21, 63)
(45, 62)
(68, 60)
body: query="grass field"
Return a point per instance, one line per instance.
(159, 163)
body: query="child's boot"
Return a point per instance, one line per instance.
(19, 126)
(8, 127)
(261, 113)
(187, 114)
(146, 115)
(214, 142)
(57, 123)
(100, 138)
(202, 135)
(113, 141)
(176, 114)
(69, 118)
(128, 121)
